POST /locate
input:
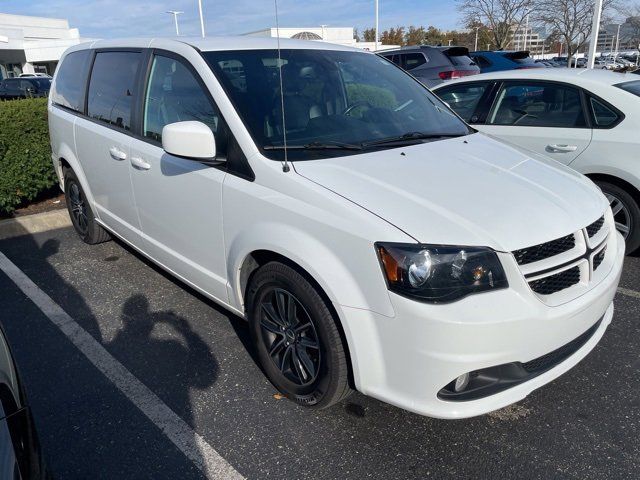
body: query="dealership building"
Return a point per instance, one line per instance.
(33, 44)
(338, 35)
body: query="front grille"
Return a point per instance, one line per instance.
(545, 250)
(552, 359)
(557, 282)
(595, 227)
(598, 259)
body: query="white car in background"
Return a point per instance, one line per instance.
(587, 119)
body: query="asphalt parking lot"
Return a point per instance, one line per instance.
(197, 359)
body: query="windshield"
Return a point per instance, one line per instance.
(334, 102)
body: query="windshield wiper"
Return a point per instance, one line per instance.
(410, 137)
(317, 146)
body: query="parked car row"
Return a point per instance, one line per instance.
(363, 229)
(24, 87)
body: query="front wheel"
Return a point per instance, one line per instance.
(297, 338)
(626, 213)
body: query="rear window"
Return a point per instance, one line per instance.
(631, 87)
(459, 56)
(70, 81)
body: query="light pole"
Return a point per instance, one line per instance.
(595, 30)
(475, 45)
(323, 27)
(617, 42)
(175, 14)
(201, 18)
(377, 6)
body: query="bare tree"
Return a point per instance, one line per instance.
(570, 20)
(502, 17)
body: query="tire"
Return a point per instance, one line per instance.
(312, 376)
(82, 216)
(626, 210)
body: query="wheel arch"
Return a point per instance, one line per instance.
(615, 180)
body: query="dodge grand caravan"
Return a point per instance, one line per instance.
(371, 238)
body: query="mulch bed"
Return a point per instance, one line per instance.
(52, 200)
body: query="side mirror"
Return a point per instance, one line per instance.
(192, 140)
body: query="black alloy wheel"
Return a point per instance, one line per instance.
(297, 336)
(289, 336)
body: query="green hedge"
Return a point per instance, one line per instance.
(25, 154)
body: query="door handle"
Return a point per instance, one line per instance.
(117, 154)
(561, 148)
(140, 164)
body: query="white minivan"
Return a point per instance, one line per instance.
(371, 238)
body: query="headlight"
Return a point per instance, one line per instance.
(440, 274)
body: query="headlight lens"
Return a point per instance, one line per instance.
(440, 274)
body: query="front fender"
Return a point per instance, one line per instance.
(335, 278)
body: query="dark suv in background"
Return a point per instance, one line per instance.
(433, 65)
(24, 87)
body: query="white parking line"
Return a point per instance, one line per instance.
(628, 292)
(172, 426)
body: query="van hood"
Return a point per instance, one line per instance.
(471, 191)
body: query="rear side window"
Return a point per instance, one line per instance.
(602, 114)
(111, 88)
(413, 60)
(538, 105)
(463, 99)
(70, 82)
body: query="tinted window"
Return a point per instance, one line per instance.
(69, 88)
(481, 61)
(329, 96)
(631, 87)
(413, 60)
(174, 95)
(111, 88)
(602, 115)
(538, 105)
(463, 99)
(13, 85)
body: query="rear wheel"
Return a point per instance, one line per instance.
(626, 213)
(298, 342)
(82, 217)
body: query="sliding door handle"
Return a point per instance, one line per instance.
(117, 154)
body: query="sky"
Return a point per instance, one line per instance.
(118, 18)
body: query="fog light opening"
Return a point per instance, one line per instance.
(461, 382)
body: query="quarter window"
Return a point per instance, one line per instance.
(463, 99)
(602, 115)
(112, 85)
(538, 105)
(174, 95)
(413, 60)
(69, 88)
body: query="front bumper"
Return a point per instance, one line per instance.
(407, 359)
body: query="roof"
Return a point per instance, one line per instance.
(577, 76)
(238, 42)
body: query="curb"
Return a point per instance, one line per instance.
(36, 223)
